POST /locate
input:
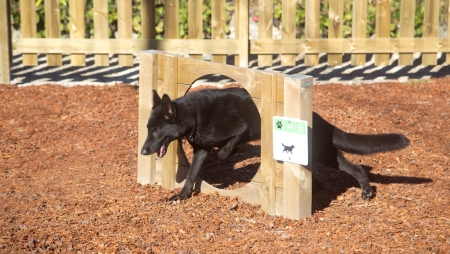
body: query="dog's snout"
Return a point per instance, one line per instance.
(145, 151)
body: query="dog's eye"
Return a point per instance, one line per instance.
(155, 131)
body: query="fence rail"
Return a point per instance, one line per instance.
(335, 45)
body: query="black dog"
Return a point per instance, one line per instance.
(288, 149)
(225, 118)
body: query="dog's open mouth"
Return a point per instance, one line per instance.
(162, 151)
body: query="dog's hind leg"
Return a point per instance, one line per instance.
(197, 162)
(226, 150)
(356, 171)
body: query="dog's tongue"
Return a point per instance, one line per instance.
(162, 151)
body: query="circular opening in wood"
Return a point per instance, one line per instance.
(241, 166)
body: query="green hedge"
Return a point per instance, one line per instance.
(15, 17)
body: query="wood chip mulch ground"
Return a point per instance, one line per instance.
(68, 163)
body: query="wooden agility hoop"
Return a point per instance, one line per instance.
(281, 188)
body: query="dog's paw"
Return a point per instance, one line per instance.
(178, 196)
(367, 194)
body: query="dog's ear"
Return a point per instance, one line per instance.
(156, 100)
(168, 108)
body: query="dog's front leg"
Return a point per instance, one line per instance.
(197, 163)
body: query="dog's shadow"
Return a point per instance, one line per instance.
(328, 183)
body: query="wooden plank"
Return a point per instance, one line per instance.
(312, 24)
(407, 16)
(5, 43)
(28, 27)
(192, 46)
(52, 28)
(265, 24)
(268, 164)
(288, 19)
(430, 28)
(148, 74)
(125, 28)
(218, 26)
(359, 28)
(148, 19)
(195, 23)
(101, 28)
(382, 28)
(298, 178)
(170, 88)
(335, 28)
(242, 33)
(77, 28)
(171, 20)
(447, 59)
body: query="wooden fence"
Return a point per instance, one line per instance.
(358, 45)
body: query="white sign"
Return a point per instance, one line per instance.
(290, 140)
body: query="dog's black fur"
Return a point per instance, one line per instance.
(288, 149)
(224, 118)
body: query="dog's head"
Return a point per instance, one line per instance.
(161, 126)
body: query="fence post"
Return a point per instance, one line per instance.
(77, 27)
(218, 23)
(148, 19)
(28, 27)
(52, 28)
(125, 27)
(265, 28)
(297, 178)
(148, 81)
(169, 167)
(312, 28)
(407, 16)
(359, 21)
(5, 42)
(382, 28)
(171, 20)
(195, 23)
(430, 28)
(101, 28)
(241, 26)
(289, 30)
(335, 20)
(268, 164)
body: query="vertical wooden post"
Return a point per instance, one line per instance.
(335, 27)
(218, 26)
(407, 16)
(195, 24)
(28, 27)
(148, 19)
(430, 28)
(169, 161)
(298, 178)
(289, 29)
(265, 28)
(76, 27)
(148, 81)
(125, 28)
(171, 20)
(101, 28)
(359, 28)
(268, 164)
(5, 43)
(52, 28)
(312, 28)
(447, 59)
(242, 30)
(382, 28)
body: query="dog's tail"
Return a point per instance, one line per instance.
(367, 144)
